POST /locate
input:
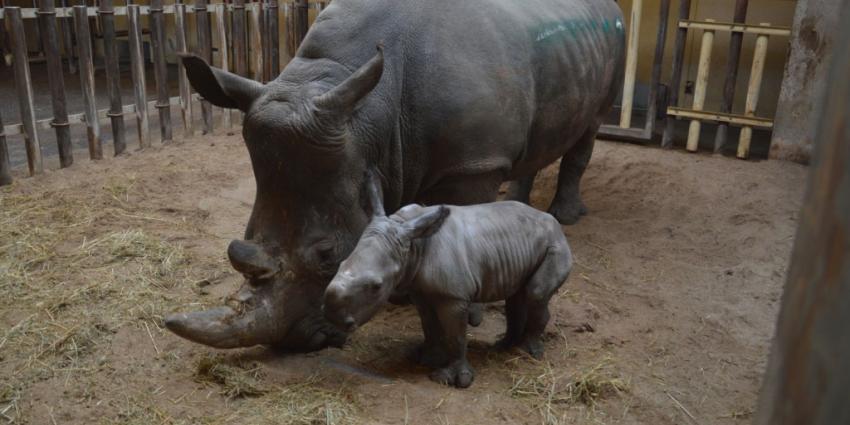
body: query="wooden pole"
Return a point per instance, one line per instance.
(753, 92)
(113, 76)
(157, 22)
(631, 65)
(657, 61)
(50, 38)
(182, 80)
(701, 87)
(239, 46)
(23, 83)
(265, 47)
(202, 20)
(221, 28)
(291, 22)
(302, 23)
(808, 374)
(736, 41)
(137, 68)
(68, 40)
(273, 26)
(84, 54)
(5, 164)
(678, 66)
(256, 50)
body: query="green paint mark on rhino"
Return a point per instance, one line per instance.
(574, 27)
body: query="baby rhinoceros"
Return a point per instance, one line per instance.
(445, 258)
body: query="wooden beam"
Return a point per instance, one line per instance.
(631, 65)
(182, 79)
(703, 69)
(735, 42)
(753, 92)
(224, 59)
(86, 63)
(678, 66)
(740, 120)
(710, 25)
(157, 25)
(113, 77)
(137, 68)
(55, 80)
(5, 163)
(202, 20)
(23, 83)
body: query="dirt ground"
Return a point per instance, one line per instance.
(666, 318)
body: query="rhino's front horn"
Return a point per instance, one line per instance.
(221, 327)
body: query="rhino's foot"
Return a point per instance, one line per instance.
(475, 314)
(430, 355)
(506, 343)
(458, 374)
(534, 347)
(568, 212)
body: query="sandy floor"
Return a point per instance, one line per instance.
(665, 320)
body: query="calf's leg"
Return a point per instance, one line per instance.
(458, 372)
(567, 205)
(551, 274)
(516, 315)
(431, 353)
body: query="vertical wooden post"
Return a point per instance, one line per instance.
(273, 27)
(68, 40)
(163, 104)
(23, 83)
(291, 21)
(84, 53)
(678, 65)
(5, 164)
(239, 42)
(182, 80)
(264, 38)
(753, 92)
(50, 38)
(736, 40)
(302, 22)
(113, 76)
(202, 20)
(137, 68)
(221, 28)
(701, 87)
(657, 61)
(256, 50)
(631, 65)
(808, 373)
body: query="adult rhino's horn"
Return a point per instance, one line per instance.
(252, 260)
(343, 98)
(220, 327)
(221, 88)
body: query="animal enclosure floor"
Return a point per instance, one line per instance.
(666, 318)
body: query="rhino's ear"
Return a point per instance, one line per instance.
(426, 224)
(344, 98)
(221, 88)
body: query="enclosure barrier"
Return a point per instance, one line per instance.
(234, 23)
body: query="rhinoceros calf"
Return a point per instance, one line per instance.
(447, 257)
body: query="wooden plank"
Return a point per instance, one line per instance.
(240, 47)
(255, 50)
(753, 92)
(137, 68)
(808, 373)
(631, 65)
(302, 23)
(740, 120)
(710, 25)
(157, 23)
(84, 53)
(113, 76)
(5, 164)
(735, 43)
(657, 62)
(202, 20)
(678, 66)
(291, 30)
(182, 80)
(224, 59)
(273, 28)
(701, 88)
(67, 40)
(23, 83)
(50, 40)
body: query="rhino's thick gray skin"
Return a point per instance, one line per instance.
(446, 258)
(465, 95)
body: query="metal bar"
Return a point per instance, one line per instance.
(23, 83)
(273, 25)
(701, 88)
(808, 373)
(84, 53)
(221, 28)
(113, 76)
(678, 65)
(182, 80)
(740, 120)
(631, 65)
(753, 92)
(202, 20)
(733, 27)
(5, 165)
(157, 22)
(50, 39)
(736, 41)
(137, 68)
(255, 51)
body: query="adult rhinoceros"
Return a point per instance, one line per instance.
(463, 96)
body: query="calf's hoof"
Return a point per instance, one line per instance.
(459, 374)
(475, 315)
(430, 356)
(568, 213)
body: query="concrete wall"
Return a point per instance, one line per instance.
(815, 26)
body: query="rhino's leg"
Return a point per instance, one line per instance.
(567, 206)
(520, 190)
(516, 315)
(545, 281)
(458, 372)
(431, 353)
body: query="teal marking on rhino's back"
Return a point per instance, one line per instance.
(574, 27)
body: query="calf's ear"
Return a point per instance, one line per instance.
(426, 224)
(221, 88)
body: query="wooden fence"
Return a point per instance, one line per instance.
(235, 24)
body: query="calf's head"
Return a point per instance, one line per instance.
(309, 158)
(379, 262)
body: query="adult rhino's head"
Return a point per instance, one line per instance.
(310, 162)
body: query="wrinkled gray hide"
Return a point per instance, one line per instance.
(463, 96)
(447, 257)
